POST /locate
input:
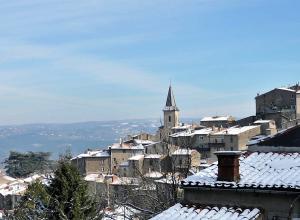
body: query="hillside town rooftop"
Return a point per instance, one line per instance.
(123, 146)
(236, 130)
(216, 118)
(187, 133)
(257, 171)
(95, 153)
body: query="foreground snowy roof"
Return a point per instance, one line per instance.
(180, 212)
(258, 170)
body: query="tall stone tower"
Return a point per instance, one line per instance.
(171, 115)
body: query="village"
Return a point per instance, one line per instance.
(254, 161)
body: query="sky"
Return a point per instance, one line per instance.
(69, 61)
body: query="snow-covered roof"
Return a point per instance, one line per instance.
(262, 121)
(154, 174)
(287, 89)
(236, 130)
(257, 170)
(15, 188)
(182, 151)
(32, 178)
(124, 146)
(204, 131)
(95, 153)
(181, 212)
(136, 157)
(185, 126)
(217, 118)
(143, 142)
(6, 179)
(153, 156)
(92, 177)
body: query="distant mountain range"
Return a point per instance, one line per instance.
(56, 138)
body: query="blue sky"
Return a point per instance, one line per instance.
(67, 61)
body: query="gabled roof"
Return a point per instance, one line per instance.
(170, 103)
(181, 212)
(288, 138)
(278, 171)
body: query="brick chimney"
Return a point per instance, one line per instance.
(228, 165)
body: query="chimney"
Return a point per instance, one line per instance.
(228, 165)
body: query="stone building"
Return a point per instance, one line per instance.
(157, 148)
(135, 166)
(185, 159)
(218, 121)
(97, 161)
(121, 152)
(232, 139)
(156, 163)
(267, 127)
(195, 139)
(280, 104)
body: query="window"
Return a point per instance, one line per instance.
(169, 118)
(180, 161)
(231, 139)
(102, 162)
(102, 169)
(231, 148)
(151, 162)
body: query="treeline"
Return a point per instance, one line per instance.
(19, 165)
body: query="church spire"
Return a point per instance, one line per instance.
(170, 103)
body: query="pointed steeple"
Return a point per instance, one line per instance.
(170, 103)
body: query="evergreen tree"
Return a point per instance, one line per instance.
(66, 198)
(69, 197)
(33, 204)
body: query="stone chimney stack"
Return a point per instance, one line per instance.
(228, 165)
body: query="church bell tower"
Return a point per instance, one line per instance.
(171, 112)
